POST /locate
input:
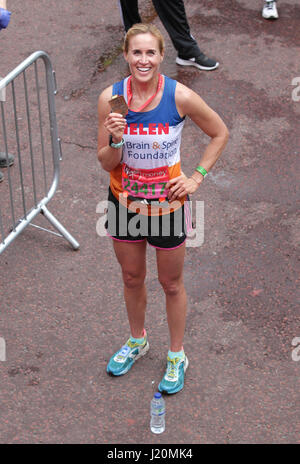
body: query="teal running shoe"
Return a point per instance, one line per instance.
(122, 360)
(173, 380)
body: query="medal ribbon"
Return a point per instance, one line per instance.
(129, 93)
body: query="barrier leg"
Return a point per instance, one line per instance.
(58, 226)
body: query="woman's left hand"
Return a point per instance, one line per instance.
(181, 186)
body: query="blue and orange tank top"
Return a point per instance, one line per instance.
(151, 152)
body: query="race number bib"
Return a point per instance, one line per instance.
(145, 183)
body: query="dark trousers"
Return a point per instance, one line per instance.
(173, 16)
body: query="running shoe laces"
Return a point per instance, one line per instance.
(173, 380)
(172, 368)
(123, 353)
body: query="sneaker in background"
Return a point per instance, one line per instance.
(269, 10)
(201, 62)
(3, 160)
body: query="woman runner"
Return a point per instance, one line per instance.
(141, 151)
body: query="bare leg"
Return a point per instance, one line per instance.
(132, 258)
(170, 274)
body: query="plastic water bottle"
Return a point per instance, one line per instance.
(158, 412)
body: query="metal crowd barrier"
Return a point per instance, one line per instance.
(29, 132)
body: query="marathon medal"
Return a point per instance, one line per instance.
(119, 105)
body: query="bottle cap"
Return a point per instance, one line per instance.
(157, 395)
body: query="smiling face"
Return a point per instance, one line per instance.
(144, 56)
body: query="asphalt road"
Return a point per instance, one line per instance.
(62, 311)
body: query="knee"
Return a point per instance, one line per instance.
(133, 280)
(171, 287)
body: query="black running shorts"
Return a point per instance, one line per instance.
(167, 231)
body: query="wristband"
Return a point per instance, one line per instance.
(116, 145)
(4, 18)
(201, 170)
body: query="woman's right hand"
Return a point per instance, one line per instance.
(115, 124)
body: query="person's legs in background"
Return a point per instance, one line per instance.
(173, 16)
(130, 13)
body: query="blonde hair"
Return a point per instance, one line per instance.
(142, 28)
